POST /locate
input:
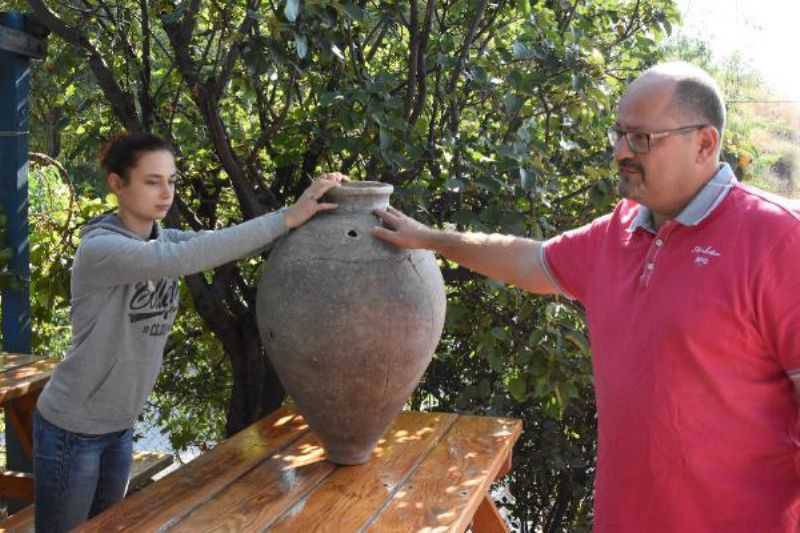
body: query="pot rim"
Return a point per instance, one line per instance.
(362, 188)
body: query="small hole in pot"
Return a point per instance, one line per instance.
(352, 233)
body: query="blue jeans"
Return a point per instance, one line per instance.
(77, 476)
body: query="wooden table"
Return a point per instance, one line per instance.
(430, 472)
(22, 378)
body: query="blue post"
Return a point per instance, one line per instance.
(15, 77)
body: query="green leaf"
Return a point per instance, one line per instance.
(499, 333)
(512, 104)
(385, 138)
(527, 178)
(495, 359)
(579, 340)
(353, 11)
(518, 388)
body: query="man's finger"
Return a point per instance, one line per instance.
(385, 215)
(384, 234)
(394, 211)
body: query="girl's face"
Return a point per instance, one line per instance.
(148, 194)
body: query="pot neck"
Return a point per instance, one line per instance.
(360, 196)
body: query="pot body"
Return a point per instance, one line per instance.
(350, 323)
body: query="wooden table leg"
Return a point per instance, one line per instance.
(20, 414)
(16, 485)
(488, 519)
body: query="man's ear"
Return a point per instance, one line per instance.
(709, 143)
(115, 182)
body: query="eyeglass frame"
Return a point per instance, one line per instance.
(615, 134)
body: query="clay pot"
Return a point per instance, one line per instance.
(349, 322)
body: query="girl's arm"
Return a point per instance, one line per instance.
(111, 259)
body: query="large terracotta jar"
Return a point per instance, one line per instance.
(349, 322)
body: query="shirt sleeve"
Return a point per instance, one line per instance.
(778, 301)
(111, 259)
(567, 258)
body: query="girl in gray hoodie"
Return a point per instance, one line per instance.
(124, 300)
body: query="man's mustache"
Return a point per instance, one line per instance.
(629, 165)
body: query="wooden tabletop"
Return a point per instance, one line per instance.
(431, 470)
(21, 374)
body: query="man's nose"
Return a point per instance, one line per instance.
(622, 150)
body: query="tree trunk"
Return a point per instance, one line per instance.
(256, 388)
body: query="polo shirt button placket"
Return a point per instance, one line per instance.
(652, 255)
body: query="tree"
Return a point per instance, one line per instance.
(485, 116)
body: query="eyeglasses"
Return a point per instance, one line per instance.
(640, 142)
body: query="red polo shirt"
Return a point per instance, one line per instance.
(694, 331)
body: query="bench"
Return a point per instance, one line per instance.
(145, 466)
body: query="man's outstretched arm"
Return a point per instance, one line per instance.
(506, 258)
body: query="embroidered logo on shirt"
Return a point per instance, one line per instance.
(704, 254)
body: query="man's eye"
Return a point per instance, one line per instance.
(639, 138)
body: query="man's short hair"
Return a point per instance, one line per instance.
(696, 92)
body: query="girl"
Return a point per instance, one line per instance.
(124, 300)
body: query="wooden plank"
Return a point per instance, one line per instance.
(262, 495)
(505, 468)
(446, 489)
(20, 522)
(19, 412)
(164, 503)
(25, 379)
(488, 519)
(16, 485)
(355, 494)
(145, 466)
(9, 361)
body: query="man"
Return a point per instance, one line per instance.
(692, 294)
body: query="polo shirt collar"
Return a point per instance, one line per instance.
(702, 205)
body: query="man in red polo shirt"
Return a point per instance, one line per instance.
(692, 295)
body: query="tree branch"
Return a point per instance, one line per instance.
(121, 102)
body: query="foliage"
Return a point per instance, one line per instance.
(760, 143)
(485, 116)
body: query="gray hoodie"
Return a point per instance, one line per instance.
(124, 301)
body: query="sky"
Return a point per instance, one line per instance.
(766, 32)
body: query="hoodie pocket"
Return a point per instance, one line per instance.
(122, 394)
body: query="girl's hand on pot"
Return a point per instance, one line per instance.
(308, 204)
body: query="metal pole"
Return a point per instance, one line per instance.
(15, 77)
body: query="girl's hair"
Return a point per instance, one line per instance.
(122, 152)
